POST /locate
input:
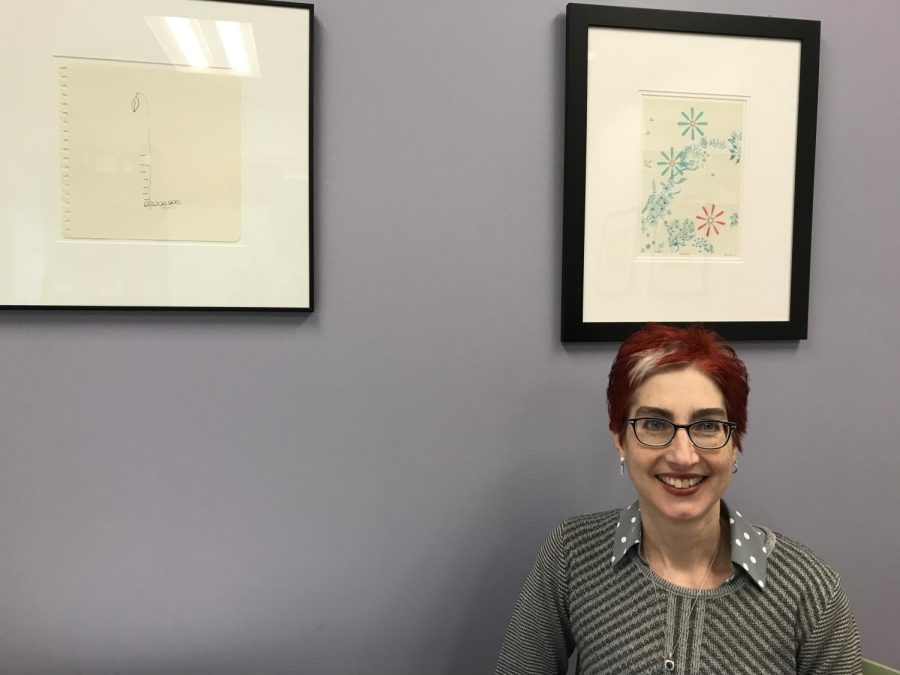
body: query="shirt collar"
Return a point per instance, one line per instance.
(748, 543)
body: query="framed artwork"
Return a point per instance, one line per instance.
(689, 157)
(156, 154)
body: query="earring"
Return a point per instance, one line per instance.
(621, 466)
(734, 467)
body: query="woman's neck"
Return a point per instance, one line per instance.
(692, 554)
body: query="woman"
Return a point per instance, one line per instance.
(679, 581)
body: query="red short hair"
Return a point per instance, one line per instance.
(657, 347)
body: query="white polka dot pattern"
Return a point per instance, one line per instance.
(747, 553)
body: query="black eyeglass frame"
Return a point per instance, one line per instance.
(731, 426)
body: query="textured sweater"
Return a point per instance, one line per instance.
(624, 619)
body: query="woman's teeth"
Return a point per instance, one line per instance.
(681, 482)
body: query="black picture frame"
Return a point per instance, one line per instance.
(619, 23)
(239, 244)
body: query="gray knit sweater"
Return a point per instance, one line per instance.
(574, 598)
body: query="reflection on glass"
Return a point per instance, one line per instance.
(233, 42)
(183, 32)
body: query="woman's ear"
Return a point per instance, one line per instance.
(617, 441)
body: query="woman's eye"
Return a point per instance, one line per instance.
(654, 425)
(708, 426)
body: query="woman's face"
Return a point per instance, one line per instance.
(681, 396)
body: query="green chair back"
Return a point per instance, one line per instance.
(872, 668)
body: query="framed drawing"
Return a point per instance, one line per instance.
(690, 146)
(157, 154)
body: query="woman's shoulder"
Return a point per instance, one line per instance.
(592, 522)
(594, 528)
(795, 565)
(790, 552)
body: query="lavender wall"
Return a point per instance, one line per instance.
(362, 490)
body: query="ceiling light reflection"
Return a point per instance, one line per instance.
(233, 42)
(183, 31)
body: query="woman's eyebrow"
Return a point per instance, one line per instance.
(706, 413)
(650, 411)
(699, 414)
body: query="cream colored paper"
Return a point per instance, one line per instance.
(691, 177)
(149, 152)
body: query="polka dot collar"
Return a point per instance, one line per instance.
(748, 543)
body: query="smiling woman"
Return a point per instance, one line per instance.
(678, 581)
(679, 481)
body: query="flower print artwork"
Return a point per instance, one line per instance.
(710, 220)
(691, 177)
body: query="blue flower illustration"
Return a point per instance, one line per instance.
(692, 123)
(673, 163)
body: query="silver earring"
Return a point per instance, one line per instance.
(621, 466)
(734, 467)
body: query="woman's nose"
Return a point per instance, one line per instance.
(681, 450)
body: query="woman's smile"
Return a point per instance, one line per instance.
(680, 485)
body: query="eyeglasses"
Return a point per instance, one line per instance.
(704, 434)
